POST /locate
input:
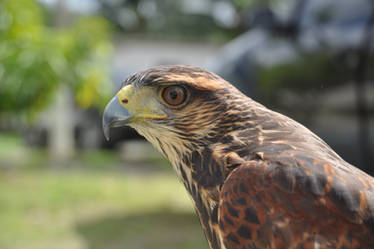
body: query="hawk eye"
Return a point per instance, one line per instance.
(174, 95)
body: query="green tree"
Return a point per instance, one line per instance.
(36, 59)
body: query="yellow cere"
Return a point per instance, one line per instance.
(140, 103)
(125, 93)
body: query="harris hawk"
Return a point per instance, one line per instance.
(257, 179)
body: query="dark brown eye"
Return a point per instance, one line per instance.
(174, 95)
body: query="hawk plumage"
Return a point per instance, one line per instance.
(258, 179)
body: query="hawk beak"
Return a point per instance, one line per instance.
(114, 115)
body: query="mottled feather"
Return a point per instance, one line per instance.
(258, 179)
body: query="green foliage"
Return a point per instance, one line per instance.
(36, 59)
(243, 4)
(250, 4)
(307, 72)
(167, 19)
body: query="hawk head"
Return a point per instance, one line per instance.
(176, 108)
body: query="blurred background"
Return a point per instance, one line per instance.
(62, 186)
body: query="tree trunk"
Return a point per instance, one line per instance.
(61, 129)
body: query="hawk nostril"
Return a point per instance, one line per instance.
(125, 101)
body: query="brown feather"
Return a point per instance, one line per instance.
(258, 179)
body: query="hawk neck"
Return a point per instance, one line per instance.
(203, 177)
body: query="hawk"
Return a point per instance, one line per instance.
(257, 179)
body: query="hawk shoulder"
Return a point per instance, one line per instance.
(294, 201)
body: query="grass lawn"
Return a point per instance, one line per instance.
(42, 207)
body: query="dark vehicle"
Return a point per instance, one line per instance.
(315, 64)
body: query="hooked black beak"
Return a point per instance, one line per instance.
(114, 115)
